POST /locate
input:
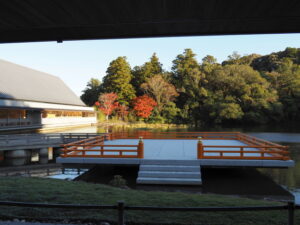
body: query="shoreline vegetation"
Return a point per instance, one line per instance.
(242, 90)
(45, 190)
(121, 124)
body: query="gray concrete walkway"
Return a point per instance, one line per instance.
(179, 149)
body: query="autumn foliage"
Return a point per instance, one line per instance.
(107, 103)
(143, 106)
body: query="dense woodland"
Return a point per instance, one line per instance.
(241, 90)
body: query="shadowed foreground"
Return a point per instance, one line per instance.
(41, 190)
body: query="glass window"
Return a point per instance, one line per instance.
(23, 114)
(14, 114)
(3, 114)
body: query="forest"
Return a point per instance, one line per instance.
(249, 89)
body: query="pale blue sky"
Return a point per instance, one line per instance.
(75, 62)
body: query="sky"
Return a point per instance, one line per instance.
(76, 62)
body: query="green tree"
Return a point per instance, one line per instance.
(170, 113)
(238, 92)
(91, 92)
(273, 61)
(189, 81)
(117, 80)
(209, 63)
(238, 60)
(281, 69)
(144, 72)
(286, 80)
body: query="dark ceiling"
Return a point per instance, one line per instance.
(60, 20)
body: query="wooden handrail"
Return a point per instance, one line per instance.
(86, 148)
(264, 149)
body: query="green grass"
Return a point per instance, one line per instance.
(43, 190)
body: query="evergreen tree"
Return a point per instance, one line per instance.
(144, 72)
(91, 92)
(117, 80)
(188, 79)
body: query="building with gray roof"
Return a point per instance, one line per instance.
(34, 99)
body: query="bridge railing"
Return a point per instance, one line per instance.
(59, 138)
(255, 148)
(242, 152)
(175, 135)
(94, 147)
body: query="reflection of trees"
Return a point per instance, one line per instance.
(288, 177)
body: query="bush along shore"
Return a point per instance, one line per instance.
(44, 190)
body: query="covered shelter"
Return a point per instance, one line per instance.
(60, 20)
(31, 99)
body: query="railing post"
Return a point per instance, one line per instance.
(140, 148)
(200, 148)
(101, 151)
(291, 209)
(64, 152)
(121, 218)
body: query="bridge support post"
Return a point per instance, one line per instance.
(200, 148)
(16, 157)
(43, 155)
(140, 149)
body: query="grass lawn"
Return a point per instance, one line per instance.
(44, 190)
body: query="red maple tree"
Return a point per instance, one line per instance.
(107, 103)
(143, 106)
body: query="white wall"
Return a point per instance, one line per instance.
(67, 121)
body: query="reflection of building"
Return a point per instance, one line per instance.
(33, 99)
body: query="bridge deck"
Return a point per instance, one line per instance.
(177, 150)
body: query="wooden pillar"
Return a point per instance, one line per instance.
(200, 148)
(140, 149)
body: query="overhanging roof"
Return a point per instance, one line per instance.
(59, 20)
(25, 84)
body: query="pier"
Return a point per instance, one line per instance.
(175, 157)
